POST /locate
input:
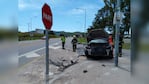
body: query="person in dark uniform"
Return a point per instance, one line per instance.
(74, 43)
(120, 44)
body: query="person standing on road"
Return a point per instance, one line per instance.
(111, 40)
(63, 41)
(120, 44)
(74, 43)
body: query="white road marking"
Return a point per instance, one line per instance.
(55, 44)
(30, 55)
(57, 47)
(34, 54)
(26, 54)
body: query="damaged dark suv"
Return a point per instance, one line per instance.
(98, 44)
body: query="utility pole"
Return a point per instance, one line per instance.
(28, 27)
(134, 31)
(118, 18)
(31, 26)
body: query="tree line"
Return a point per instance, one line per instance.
(105, 15)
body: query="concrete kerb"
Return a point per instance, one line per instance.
(25, 65)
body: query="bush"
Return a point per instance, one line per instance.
(26, 36)
(82, 40)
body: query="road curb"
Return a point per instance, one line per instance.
(25, 65)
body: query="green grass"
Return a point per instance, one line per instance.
(141, 48)
(144, 48)
(126, 46)
(35, 37)
(82, 40)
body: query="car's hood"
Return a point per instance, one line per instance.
(97, 34)
(98, 41)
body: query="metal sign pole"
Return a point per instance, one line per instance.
(47, 21)
(47, 57)
(132, 51)
(117, 44)
(134, 27)
(117, 32)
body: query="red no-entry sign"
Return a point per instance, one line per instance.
(47, 16)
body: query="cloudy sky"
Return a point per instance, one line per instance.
(66, 16)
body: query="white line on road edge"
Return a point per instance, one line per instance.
(52, 47)
(30, 55)
(34, 54)
(55, 44)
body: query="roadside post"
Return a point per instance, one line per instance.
(117, 21)
(135, 19)
(47, 21)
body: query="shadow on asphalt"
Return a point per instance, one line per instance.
(99, 58)
(108, 60)
(125, 69)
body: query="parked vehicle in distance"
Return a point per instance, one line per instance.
(43, 38)
(98, 44)
(128, 36)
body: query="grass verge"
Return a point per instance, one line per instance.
(126, 46)
(82, 40)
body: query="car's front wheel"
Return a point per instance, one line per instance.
(86, 54)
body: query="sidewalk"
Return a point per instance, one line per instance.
(33, 72)
(84, 72)
(97, 72)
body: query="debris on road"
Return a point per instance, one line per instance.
(33, 72)
(103, 65)
(85, 71)
(63, 58)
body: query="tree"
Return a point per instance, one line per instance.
(104, 16)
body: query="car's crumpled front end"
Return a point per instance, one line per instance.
(99, 47)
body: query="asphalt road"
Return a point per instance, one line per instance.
(28, 46)
(28, 50)
(85, 71)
